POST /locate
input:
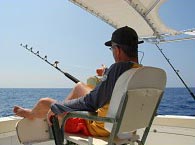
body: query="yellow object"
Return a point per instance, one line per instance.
(96, 128)
(93, 81)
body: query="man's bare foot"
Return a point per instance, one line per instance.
(22, 112)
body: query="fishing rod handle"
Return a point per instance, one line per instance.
(71, 77)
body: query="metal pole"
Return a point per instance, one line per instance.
(191, 93)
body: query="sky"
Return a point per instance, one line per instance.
(66, 33)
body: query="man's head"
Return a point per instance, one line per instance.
(125, 39)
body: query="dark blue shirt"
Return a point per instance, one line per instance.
(99, 96)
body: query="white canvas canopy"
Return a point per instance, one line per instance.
(142, 15)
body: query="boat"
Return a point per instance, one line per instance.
(166, 129)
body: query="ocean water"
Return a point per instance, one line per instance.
(175, 101)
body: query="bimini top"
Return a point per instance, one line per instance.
(138, 14)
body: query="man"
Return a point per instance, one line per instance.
(124, 47)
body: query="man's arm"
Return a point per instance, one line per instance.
(96, 98)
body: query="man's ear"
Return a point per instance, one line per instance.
(118, 52)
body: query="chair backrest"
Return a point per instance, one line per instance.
(139, 89)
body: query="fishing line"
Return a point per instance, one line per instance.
(55, 64)
(176, 71)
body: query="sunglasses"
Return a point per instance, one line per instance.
(113, 47)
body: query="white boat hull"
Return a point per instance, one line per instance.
(172, 130)
(166, 130)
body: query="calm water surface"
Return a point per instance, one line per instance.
(176, 101)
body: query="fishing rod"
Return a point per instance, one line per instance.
(176, 71)
(55, 64)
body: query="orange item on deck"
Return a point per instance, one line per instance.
(77, 125)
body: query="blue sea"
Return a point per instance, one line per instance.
(176, 101)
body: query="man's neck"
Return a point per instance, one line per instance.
(134, 60)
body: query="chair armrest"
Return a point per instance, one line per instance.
(87, 116)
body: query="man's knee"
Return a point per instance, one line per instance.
(46, 101)
(79, 90)
(79, 86)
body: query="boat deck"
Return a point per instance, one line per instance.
(166, 130)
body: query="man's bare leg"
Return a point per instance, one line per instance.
(78, 91)
(41, 109)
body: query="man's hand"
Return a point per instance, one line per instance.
(100, 71)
